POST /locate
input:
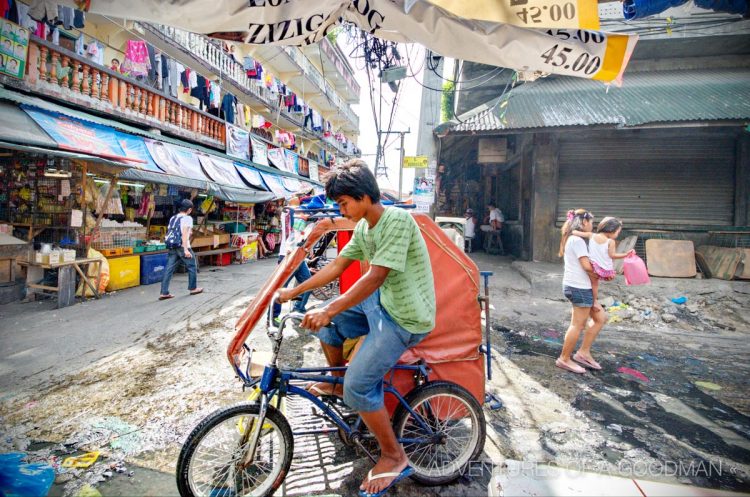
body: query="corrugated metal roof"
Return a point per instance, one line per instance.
(648, 97)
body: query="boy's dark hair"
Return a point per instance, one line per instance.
(352, 178)
(185, 205)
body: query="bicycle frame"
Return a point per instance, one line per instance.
(275, 381)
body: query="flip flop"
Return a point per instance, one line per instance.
(586, 362)
(166, 297)
(196, 291)
(407, 472)
(564, 366)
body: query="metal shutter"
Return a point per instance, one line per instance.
(649, 179)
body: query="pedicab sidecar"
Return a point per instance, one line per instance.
(452, 350)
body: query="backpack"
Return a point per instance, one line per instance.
(173, 239)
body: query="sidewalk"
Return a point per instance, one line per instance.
(40, 342)
(517, 478)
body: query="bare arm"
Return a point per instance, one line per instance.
(613, 251)
(326, 275)
(583, 234)
(186, 240)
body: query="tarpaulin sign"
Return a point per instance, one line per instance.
(81, 136)
(176, 160)
(505, 33)
(238, 142)
(273, 182)
(292, 161)
(260, 151)
(313, 170)
(135, 149)
(277, 156)
(252, 176)
(219, 170)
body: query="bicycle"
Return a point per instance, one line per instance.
(247, 449)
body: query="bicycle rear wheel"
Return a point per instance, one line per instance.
(457, 422)
(210, 462)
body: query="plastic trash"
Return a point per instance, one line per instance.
(83, 461)
(680, 300)
(635, 271)
(20, 479)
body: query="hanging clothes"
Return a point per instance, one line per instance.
(136, 61)
(65, 16)
(152, 62)
(228, 107)
(95, 52)
(79, 19)
(174, 70)
(185, 80)
(80, 46)
(215, 95)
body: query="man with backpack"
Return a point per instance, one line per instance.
(178, 244)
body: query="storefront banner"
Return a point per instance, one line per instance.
(273, 182)
(519, 35)
(238, 142)
(278, 159)
(134, 147)
(292, 161)
(313, 168)
(260, 152)
(220, 170)
(176, 160)
(80, 136)
(252, 176)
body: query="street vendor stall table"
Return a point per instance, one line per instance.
(66, 288)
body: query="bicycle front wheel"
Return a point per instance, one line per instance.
(443, 433)
(211, 461)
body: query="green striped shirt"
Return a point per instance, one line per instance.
(408, 293)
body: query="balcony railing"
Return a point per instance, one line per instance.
(60, 73)
(327, 88)
(222, 63)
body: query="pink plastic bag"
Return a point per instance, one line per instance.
(635, 271)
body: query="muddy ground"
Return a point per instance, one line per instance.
(685, 420)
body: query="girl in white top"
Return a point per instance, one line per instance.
(603, 247)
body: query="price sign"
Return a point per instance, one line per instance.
(527, 13)
(587, 54)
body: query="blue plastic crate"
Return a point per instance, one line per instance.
(152, 268)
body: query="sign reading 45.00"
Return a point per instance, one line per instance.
(588, 54)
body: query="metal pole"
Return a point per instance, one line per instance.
(401, 168)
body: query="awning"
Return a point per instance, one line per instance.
(106, 165)
(16, 126)
(241, 195)
(164, 179)
(48, 106)
(79, 136)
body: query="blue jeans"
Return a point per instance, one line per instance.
(384, 344)
(176, 255)
(301, 274)
(579, 297)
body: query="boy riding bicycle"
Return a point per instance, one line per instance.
(392, 305)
